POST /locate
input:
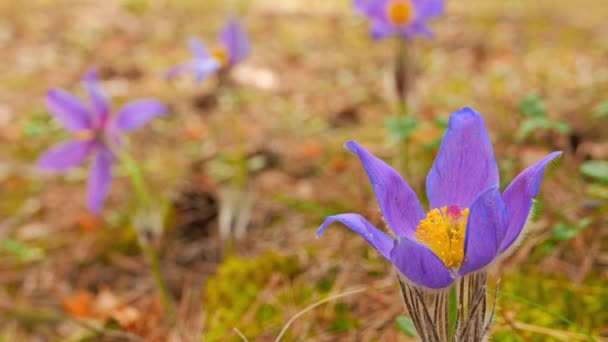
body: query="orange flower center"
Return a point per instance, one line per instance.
(400, 12)
(221, 55)
(85, 134)
(443, 231)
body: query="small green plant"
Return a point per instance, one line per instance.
(535, 118)
(601, 110)
(400, 128)
(596, 170)
(406, 325)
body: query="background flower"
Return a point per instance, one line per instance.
(232, 49)
(403, 18)
(95, 133)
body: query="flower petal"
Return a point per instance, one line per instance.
(68, 109)
(100, 179)
(197, 48)
(204, 68)
(234, 37)
(426, 9)
(361, 226)
(136, 113)
(518, 198)
(398, 202)
(417, 29)
(99, 101)
(485, 231)
(382, 29)
(64, 156)
(465, 165)
(178, 70)
(363, 6)
(420, 265)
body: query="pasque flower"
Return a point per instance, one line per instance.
(95, 133)
(403, 18)
(470, 222)
(232, 48)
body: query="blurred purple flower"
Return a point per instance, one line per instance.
(404, 18)
(470, 222)
(232, 49)
(95, 132)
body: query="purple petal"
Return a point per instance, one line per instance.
(178, 70)
(398, 202)
(99, 101)
(382, 29)
(361, 226)
(518, 198)
(485, 231)
(376, 8)
(136, 113)
(417, 29)
(197, 48)
(68, 109)
(426, 9)
(465, 165)
(420, 265)
(204, 68)
(100, 179)
(64, 156)
(363, 6)
(234, 37)
(200, 68)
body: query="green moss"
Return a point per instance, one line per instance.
(231, 296)
(552, 303)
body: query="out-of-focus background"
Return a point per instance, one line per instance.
(537, 71)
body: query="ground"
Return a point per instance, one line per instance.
(536, 70)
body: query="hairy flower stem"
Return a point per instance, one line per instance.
(402, 76)
(402, 87)
(430, 310)
(134, 172)
(145, 229)
(242, 173)
(473, 320)
(155, 267)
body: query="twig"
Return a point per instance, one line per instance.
(54, 317)
(106, 332)
(238, 332)
(29, 209)
(549, 312)
(312, 306)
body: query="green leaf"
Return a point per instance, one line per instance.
(596, 169)
(401, 128)
(525, 129)
(24, 252)
(532, 124)
(562, 232)
(533, 106)
(406, 325)
(601, 110)
(561, 127)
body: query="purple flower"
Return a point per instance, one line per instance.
(232, 49)
(94, 133)
(404, 18)
(470, 222)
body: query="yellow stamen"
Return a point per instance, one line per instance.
(443, 231)
(85, 134)
(221, 54)
(400, 12)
